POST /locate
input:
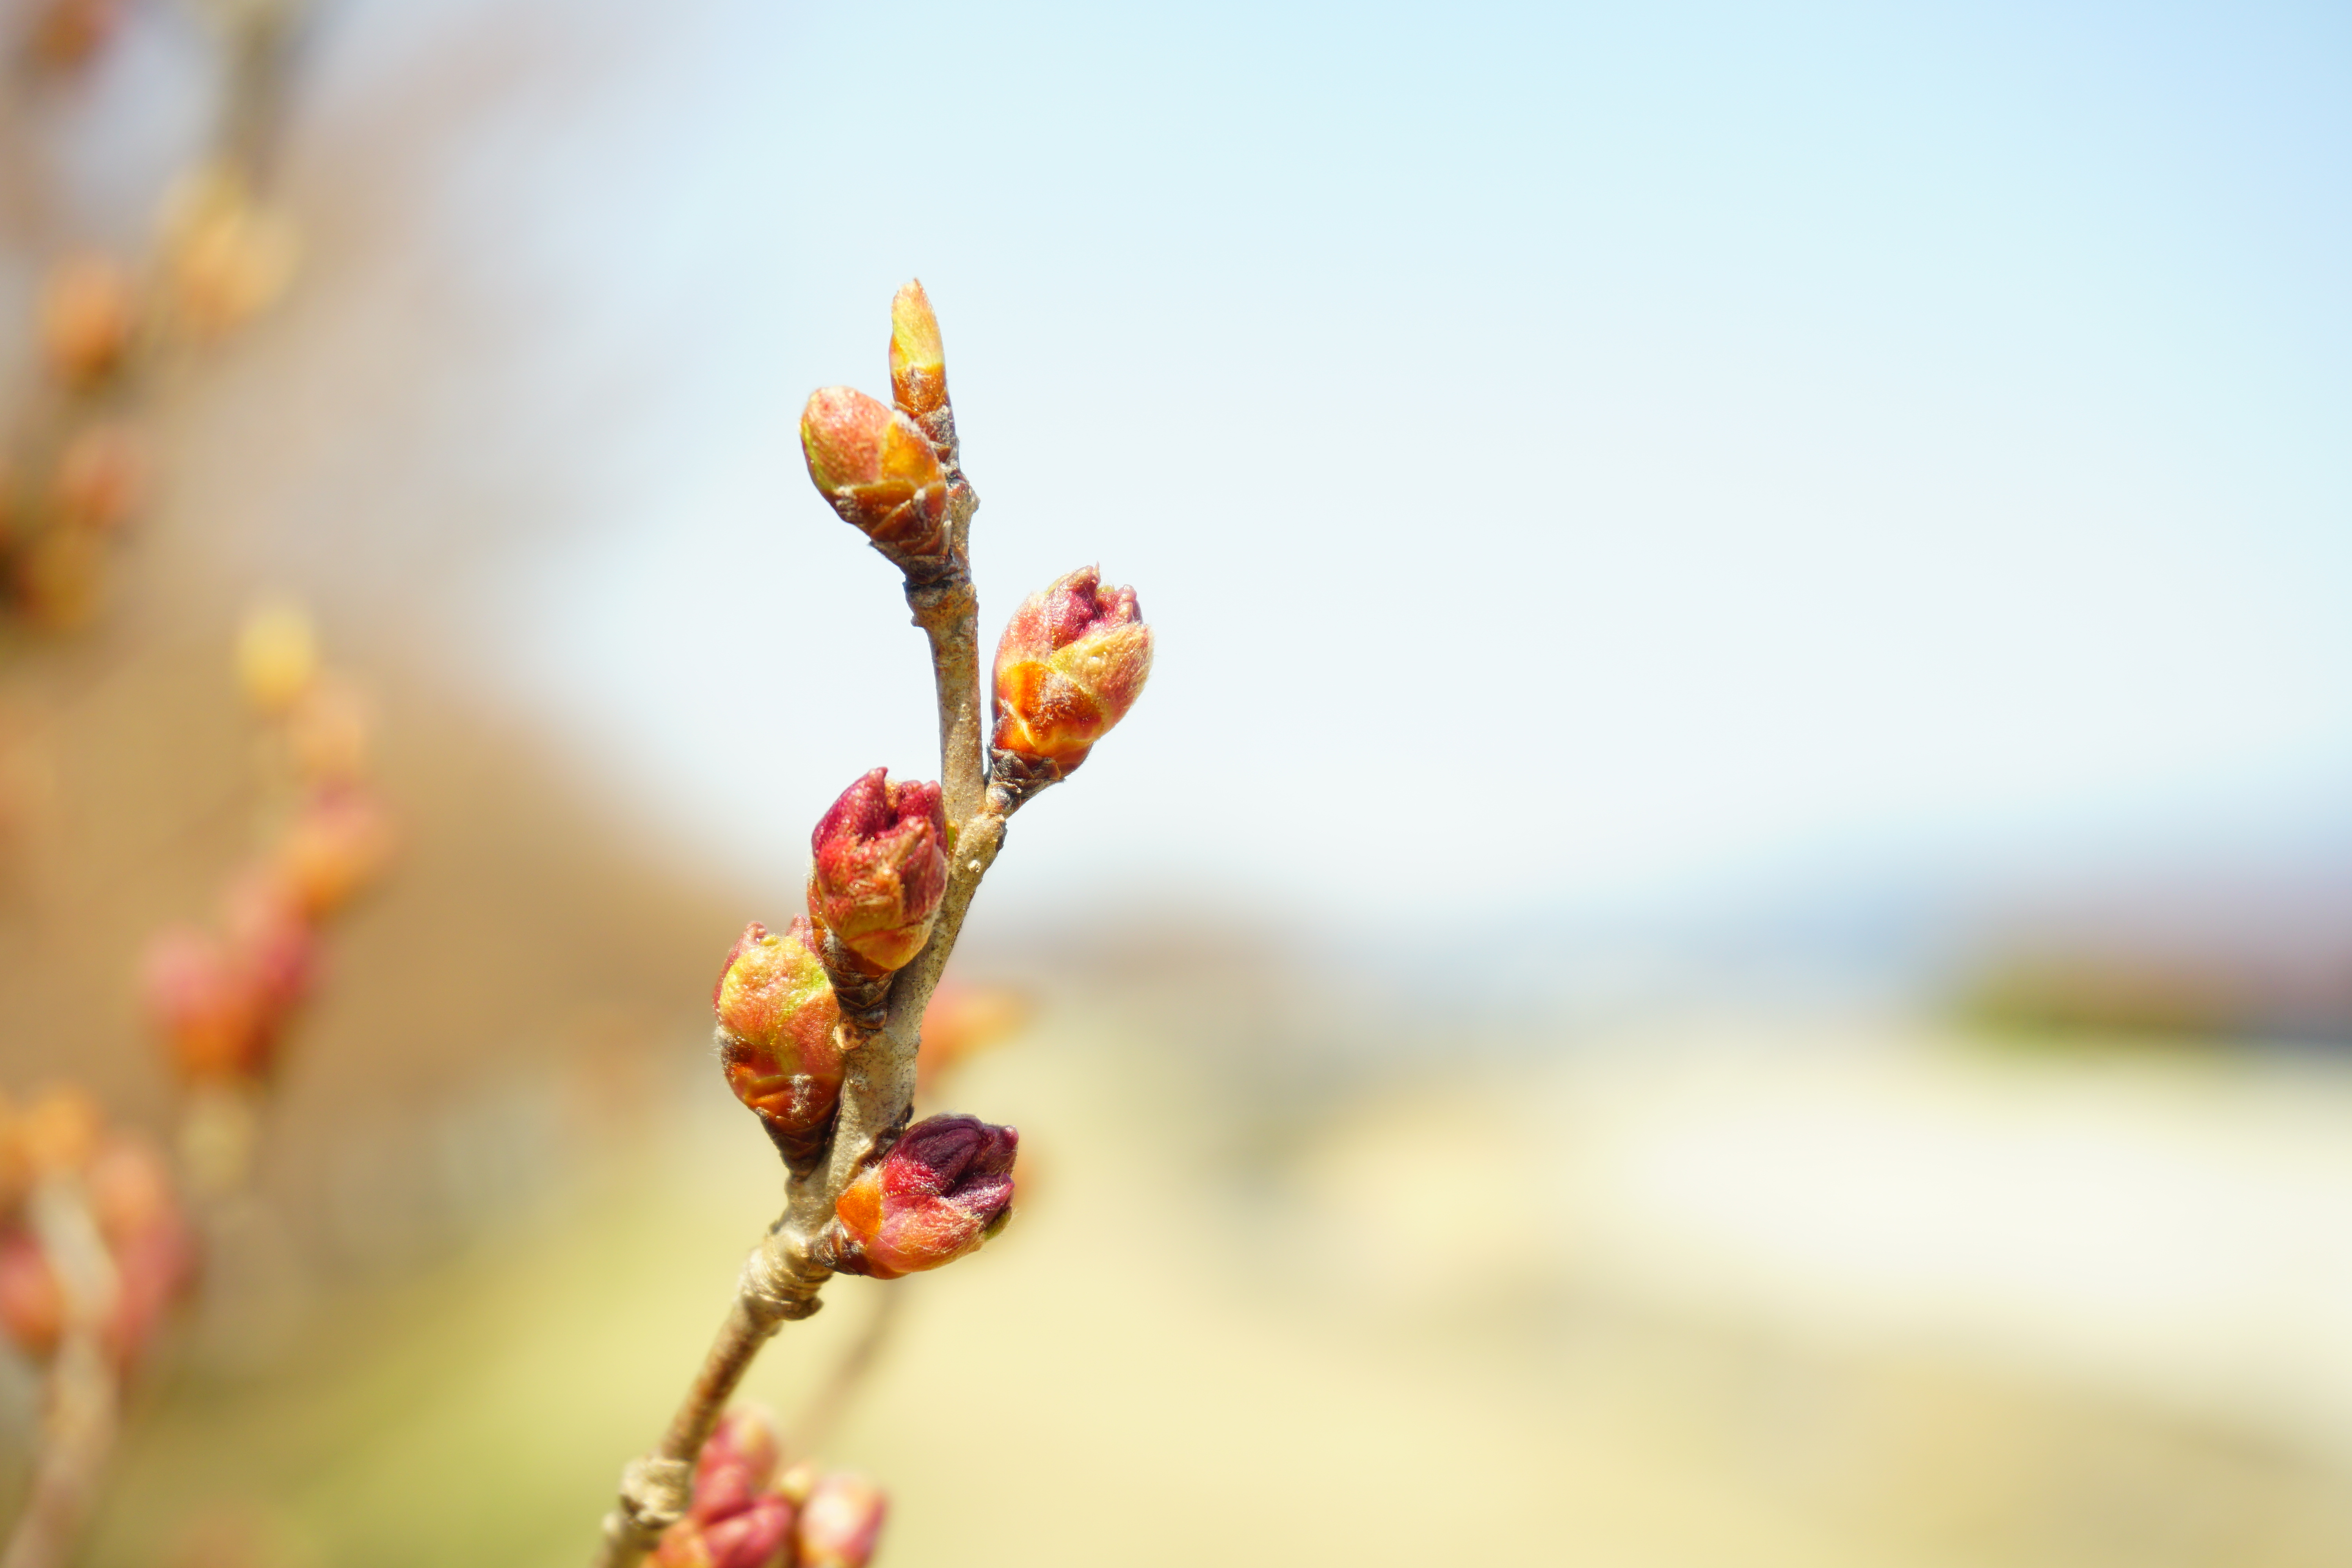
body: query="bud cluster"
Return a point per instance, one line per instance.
(80, 474)
(222, 997)
(752, 1510)
(60, 1138)
(813, 1019)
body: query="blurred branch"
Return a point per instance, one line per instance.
(833, 1399)
(82, 1390)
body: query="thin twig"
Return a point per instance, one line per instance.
(783, 1275)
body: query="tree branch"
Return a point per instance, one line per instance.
(83, 1389)
(783, 1277)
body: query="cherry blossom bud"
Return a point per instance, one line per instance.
(919, 371)
(1072, 662)
(206, 1006)
(329, 730)
(945, 1186)
(840, 1522)
(58, 1132)
(277, 655)
(879, 471)
(880, 869)
(139, 1216)
(961, 1022)
(270, 942)
(101, 478)
(61, 576)
(335, 846)
(738, 1464)
(87, 316)
(760, 1536)
(776, 1015)
(69, 33)
(737, 1517)
(226, 255)
(32, 1305)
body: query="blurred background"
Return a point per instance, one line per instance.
(1726, 934)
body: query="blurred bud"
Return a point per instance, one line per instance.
(101, 478)
(736, 1519)
(227, 256)
(760, 1536)
(919, 371)
(269, 942)
(962, 1021)
(879, 471)
(798, 1482)
(277, 655)
(945, 1186)
(336, 845)
(205, 1005)
(61, 577)
(88, 315)
(840, 1522)
(58, 1134)
(32, 1305)
(1072, 662)
(69, 33)
(737, 1464)
(328, 731)
(776, 1017)
(139, 1216)
(880, 869)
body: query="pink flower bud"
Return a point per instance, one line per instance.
(880, 869)
(840, 1522)
(737, 1464)
(961, 1022)
(32, 1306)
(879, 471)
(737, 1517)
(88, 313)
(336, 846)
(1072, 662)
(131, 1199)
(759, 1537)
(206, 1006)
(101, 478)
(945, 1186)
(270, 942)
(776, 1015)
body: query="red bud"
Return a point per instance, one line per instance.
(1072, 662)
(737, 1464)
(205, 1006)
(880, 869)
(945, 1186)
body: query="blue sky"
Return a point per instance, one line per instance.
(1573, 457)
